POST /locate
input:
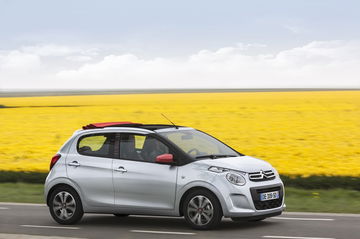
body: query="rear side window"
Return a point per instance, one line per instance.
(97, 145)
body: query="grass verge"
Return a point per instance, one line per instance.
(22, 192)
(322, 200)
(297, 199)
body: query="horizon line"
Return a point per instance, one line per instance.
(68, 92)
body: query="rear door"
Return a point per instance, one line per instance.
(89, 165)
(139, 182)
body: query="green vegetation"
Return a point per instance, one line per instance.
(332, 200)
(322, 182)
(24, 177)
(21, 192)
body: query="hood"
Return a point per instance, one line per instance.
(243, 163)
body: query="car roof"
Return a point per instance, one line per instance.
(128, 124)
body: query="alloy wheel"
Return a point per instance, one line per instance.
(200, 210)
(64, 205)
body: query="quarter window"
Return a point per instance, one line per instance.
(97, 145)
(141, 147)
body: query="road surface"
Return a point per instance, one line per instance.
(32, 221)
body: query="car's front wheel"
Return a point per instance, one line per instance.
(65, 206)
(202, 210)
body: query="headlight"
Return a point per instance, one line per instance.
(235, 179)
(232, 176)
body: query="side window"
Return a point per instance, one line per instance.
(141, 147)
(97, 145)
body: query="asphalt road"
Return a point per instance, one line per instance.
(34, 222)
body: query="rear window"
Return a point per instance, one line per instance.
(97, 145)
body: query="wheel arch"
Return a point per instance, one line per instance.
(61, 184)
(208, 188)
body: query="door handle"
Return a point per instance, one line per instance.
(74, 163)
(121, 169)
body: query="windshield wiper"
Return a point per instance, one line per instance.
(215, 156)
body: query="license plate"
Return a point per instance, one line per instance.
(269, 196)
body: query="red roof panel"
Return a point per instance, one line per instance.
(109, 124)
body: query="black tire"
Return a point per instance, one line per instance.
(121, 215)
(189, 211)
(74, 213)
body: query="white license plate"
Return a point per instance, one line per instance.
(269, 196)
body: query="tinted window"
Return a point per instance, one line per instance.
(141, 147)
(98, 145)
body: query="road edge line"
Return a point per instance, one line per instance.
(23, 204)
(329, 214)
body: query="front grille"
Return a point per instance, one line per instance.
(263, 205)
(261, 176)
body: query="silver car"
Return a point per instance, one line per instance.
(125, 168)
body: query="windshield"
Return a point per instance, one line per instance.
(199, 145)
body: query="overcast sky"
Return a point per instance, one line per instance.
(179, 44)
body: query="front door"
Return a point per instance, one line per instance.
(139, 182)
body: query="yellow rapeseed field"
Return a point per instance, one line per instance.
(300, 133)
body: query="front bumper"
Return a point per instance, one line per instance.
(245, 201)
(258, 217)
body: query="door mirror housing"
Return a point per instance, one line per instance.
(165, 159)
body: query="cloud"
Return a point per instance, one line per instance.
(79, 58)
(16, 60)
(317, 64)
(50, 50)
(58, 50)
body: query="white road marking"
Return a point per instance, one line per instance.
(3, 208)
(290, 237)
(23, 204)
(303, 218)
(164, 232)
(326, 214)
(26, 236)
(53, 227)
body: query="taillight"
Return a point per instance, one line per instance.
(54, 160)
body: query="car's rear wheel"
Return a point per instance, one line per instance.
(202, 210)
(65, 206)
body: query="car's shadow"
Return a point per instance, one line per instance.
(162, 223)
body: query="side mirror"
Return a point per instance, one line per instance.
(165, 159)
